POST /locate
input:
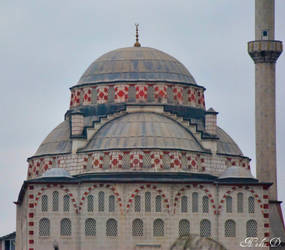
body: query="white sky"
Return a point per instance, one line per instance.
(45, 46)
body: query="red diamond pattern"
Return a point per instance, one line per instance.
(178, 94)
(160, 93)
(116, 159)
(141, 93)
(97, 160)
(102, 94)
(191, 96)
(121, 93)
(156, 160)
(87, 92)
(136, 159)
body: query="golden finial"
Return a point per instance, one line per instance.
(137, 44)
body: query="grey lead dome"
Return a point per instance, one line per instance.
(136, 64)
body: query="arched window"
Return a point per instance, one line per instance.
(229, 204)
(111, 203)
(251, 228)
(240, 202)
(158, 203)
(111, 227)
(90, 227)
(184, 204)
(251, 205)
(44, 203)
(101, 201)
(195, 202)
(44, 227)
(205, 228)
(230, 228)
(184, 227)
(90, 203)
(137, 203)
(66, 203)
(205, 204)
(137, 227)
(158, 228)
(147, 202)
(55, 201)
(65, 227)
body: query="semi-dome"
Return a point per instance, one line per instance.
(143, 130)
(136, 64)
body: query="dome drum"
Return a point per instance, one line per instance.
(142, 93)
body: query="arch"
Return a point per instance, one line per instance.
(137, 227)
(184, 227)
(251, 228)
(90, 227)
(44, 203)
(194, 186)
(44, 227)
(138, 190)
(65, 227)
(158, 228)
(111, 227)
(112, 188)
(230, 228)
(205, 228)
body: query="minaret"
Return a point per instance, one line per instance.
(265, 51)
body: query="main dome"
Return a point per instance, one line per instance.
(136, 64)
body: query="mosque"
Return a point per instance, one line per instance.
(139, 161)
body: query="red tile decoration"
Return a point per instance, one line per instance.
(116, 159)
(75, 97)
(201, 98)
(97, 160)
(156, 160)
(102, 94)
(175, 160)
(141, 93)
(121, 93)
(87, 93)
(178, 94)
(136, 159)
(191, 96)
(160, 93)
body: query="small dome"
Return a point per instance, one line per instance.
(136, 64)
(236, 172)
(56, 172)
(143, 130)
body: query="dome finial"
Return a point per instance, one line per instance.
(137, 44)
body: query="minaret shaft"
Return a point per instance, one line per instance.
(265, 52)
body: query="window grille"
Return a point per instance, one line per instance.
(90, 227)
(111, 94)
(137, 228)
(65, 227)
(90, 203)
(184, 227)
(229, 204)
(240, 202)
(150, 94)
(158, 228)
(137, 203)
(132, 94)
(166, 161)
(146, 161)
(44, 203)
(230, 228)
(94, 96)
(170, 98)
(55, 201)
(205, 228)
(66, 203)
(184, 204)
(44, 227)
(111, 227)
(111, 203)
(205, 204)
(126, 161)
(106, 162)
(251, 228)
(147, 202)
(158, 203)
(101, 201)
(195, 202)
(184, 161)
(251, 205)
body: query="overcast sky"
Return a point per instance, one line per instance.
(45, 46)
